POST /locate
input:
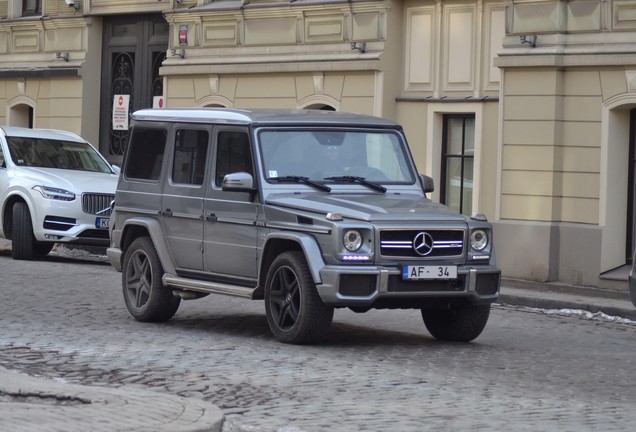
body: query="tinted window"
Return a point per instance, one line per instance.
(190, 151)
(145, 156)
(233, 155)
(376, 155)
(52, 153)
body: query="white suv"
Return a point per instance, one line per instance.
(54, 188)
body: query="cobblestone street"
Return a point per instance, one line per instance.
(65, 318)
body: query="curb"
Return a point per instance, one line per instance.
(28, 403)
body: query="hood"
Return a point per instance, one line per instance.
(71, 180)
(368, 207)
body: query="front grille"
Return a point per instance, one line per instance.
(399, 243)
(97, 204)
(58, 223)
(357, 285)
(397, 284)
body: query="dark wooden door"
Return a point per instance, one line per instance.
(133, 49)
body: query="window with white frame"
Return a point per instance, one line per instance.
(458, 154)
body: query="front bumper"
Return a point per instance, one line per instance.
(66, 222)
(377, 286)
(114, 257)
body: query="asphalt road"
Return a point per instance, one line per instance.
(65, 318)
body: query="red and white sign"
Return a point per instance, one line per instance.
(158, 102)
(183, 35)
(120, 112)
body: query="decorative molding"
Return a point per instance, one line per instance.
(624, 15)
(319, 82)
(420, 49)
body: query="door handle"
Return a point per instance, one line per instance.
(211, 217)
(166, 212)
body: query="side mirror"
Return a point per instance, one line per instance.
(116, 169)
(428, 185)
(238, 182)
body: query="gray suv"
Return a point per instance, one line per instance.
(308, 210)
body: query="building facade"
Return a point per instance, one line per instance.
(524, 118)
(568, 94)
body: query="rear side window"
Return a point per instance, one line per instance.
(190, 151)
(145, 155)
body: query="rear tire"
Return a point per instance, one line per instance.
(22, 240)
(295, 312)
(459, 323)
(145, 296)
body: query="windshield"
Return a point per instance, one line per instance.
(328, 155)
(51, 153)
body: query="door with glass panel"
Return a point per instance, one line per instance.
(631, 189)
(134, 48)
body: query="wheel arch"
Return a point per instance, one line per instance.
(139, 227)
(7, 213)
(277, 243)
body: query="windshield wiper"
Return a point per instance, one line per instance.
(362, 180)
(300, 179)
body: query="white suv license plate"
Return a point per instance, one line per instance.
(101, 222)
(429, 272)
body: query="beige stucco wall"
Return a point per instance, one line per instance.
(551, 146)
(57, 102)
(565, 126)
(351, 91)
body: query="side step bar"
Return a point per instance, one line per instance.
(207, 287)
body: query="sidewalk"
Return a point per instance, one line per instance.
(562, 296)
(29, 404)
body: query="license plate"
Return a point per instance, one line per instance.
(429, 272)
(101, 222)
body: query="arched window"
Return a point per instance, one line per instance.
(20, 115)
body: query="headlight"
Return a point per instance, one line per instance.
(55, 193)
(478, 240)
(352, 240)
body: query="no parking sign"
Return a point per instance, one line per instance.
(120, 112)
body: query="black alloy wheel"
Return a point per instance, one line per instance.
(295, 312)
(144, 294)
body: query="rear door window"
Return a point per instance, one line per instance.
(146, 153)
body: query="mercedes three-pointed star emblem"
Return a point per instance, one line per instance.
(423, 243)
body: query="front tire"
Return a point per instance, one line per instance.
(459, 323)
(146, 298)
(42, 248)
(295, 312)
(22, 240)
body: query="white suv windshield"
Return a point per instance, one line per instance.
(51, 153)
(325, 154)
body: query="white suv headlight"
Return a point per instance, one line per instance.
(352, 240)
(55, 193)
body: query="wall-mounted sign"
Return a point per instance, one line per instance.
(158, 102)
(120, 112)
(183, 35)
